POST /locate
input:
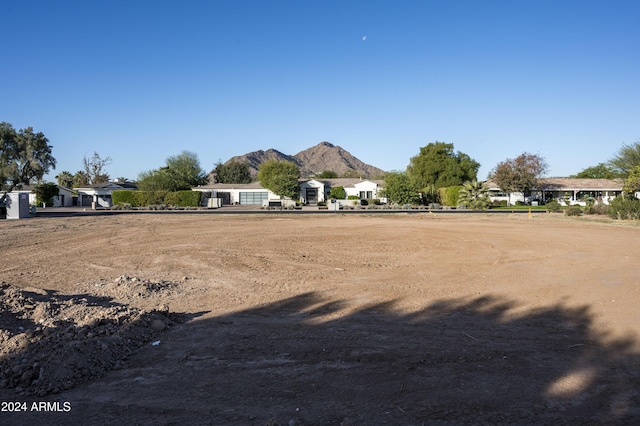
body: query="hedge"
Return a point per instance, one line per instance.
(149, 198)
(122, 196)
(183, 198)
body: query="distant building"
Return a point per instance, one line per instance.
(563, 190)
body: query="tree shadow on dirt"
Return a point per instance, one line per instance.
(307, 360)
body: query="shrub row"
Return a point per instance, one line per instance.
(152, 198)
(183, 198)
(624, 208)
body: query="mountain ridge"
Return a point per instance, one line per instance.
(314, 160)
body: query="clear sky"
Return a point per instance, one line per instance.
(139, 80)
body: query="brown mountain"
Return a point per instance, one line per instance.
(314, 160)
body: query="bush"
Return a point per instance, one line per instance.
(337, 193)
(573, 211)
(597, 209)
(449, 195)
(624, 208)
(184, 198)
(353, 197)
(553, 206)
(153, 197)
(123, 196)
(122, 206)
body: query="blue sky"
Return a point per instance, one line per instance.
(139, 81)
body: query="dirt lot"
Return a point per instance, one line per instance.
(325, 319)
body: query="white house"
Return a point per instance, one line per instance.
(100, 195)
(563, 190)
(237, 193)
(312, 191)
(63, 199)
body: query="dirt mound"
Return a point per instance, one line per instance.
(49, 342)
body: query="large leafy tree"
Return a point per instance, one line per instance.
(25, 156)
(45, 193)
(474, 195)
(232, 172)
(281, 177)
(438, 165)
(520, 174)
(186, 170)
(601, 171)
(182, 172)
(627, 158)
(398, 189)
(94, 168)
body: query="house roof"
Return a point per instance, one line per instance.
(30, 188)
(331, 183)
(573, 184)
(111, 185)
(222, 186)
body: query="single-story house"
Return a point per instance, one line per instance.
(236, 193)
(563, 190)
(63, 199)
(312, 191)
(315, 190)
(99, 195)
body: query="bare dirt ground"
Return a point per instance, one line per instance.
(325, 319)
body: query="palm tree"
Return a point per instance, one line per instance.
(474, 195)
(65, 179)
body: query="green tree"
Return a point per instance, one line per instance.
(45, 193)
(186, 170)
(65, 179)
(327, 174)
(449, 195)
(25, 156)
(232, 172)
(155, 180)
(80, 179)
(398, 189)
(474, 195)
(437, 164)
(627, 158)
(429, 194)
(337, 193)
(281, 177)
(601, 171)
(521, 174)
(351, 173)
(182, 172)
(632, 184)
(94, 168)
